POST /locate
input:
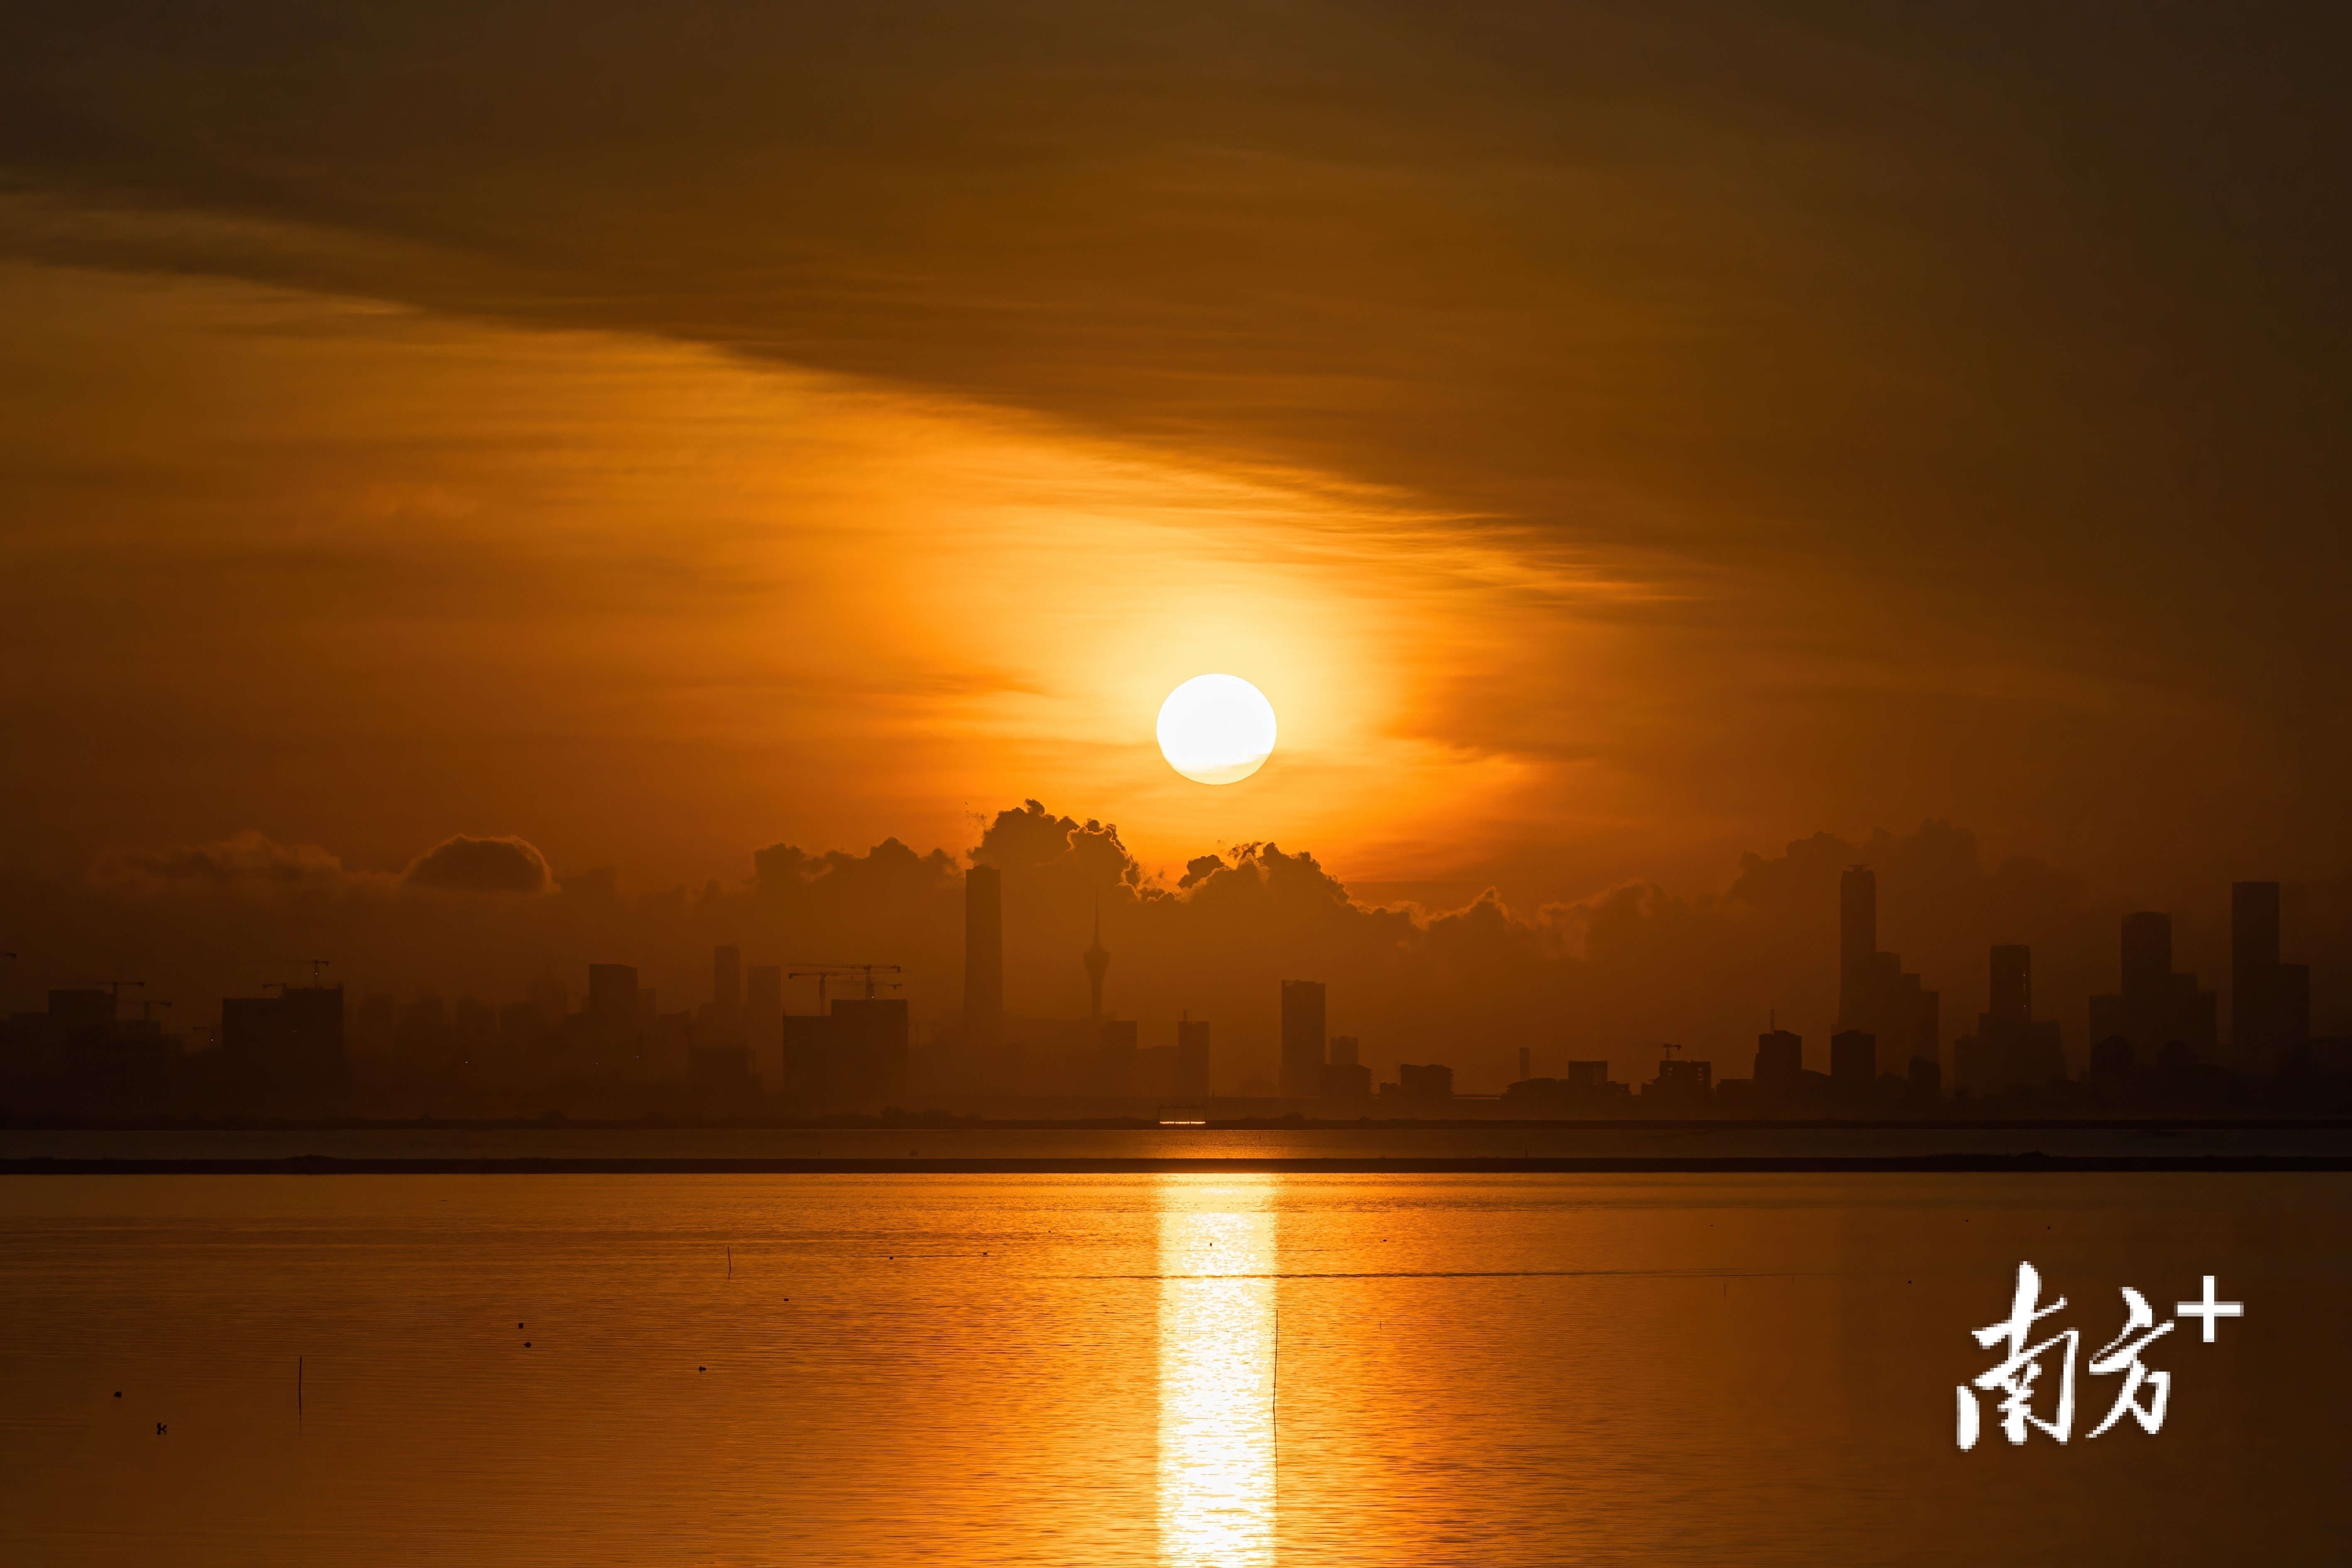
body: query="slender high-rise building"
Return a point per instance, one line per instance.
(1858, 948)
(1875, 994)
(1302, 1036)
(983, 957)
(1097, 962)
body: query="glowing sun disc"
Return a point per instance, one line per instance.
(1216, 728)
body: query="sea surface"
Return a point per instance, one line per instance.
(1189, 1369)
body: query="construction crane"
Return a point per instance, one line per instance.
(114, 987)
(316, 964)
(822, 972)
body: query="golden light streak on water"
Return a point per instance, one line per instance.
(1217, 1261)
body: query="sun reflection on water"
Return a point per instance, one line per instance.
(1217, 1262)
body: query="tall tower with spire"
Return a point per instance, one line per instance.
(1097, 960)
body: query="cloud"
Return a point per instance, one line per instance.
(246, 862)
(837, 880)
(1031, 836)
(466, 865)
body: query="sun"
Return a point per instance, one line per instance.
(1216, 728)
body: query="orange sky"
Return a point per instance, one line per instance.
(1611, 445)
(381, 571)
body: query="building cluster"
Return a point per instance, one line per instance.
(1099, 1056)
(2155, 1039)
(2156, 1042)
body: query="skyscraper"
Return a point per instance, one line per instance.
(2270, 1002)
(1858, 948)
(1192, 1058)
(2154, 1006)
(1097, 962)
(983, 959)
(2011, 1048)
(1302, 1036)
(1875, 994)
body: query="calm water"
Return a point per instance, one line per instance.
(1147, 1370)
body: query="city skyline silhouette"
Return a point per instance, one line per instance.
(985, 997)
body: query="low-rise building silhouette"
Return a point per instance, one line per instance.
(1346, 1082)
(1587, 1091)
(1680, 1085)
(853, 1058)
(1422, 1086)
(290, 1044)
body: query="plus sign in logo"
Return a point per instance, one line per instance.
(2024, 1374)
(2209, 1308)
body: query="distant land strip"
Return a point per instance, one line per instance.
(1761, 1164)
